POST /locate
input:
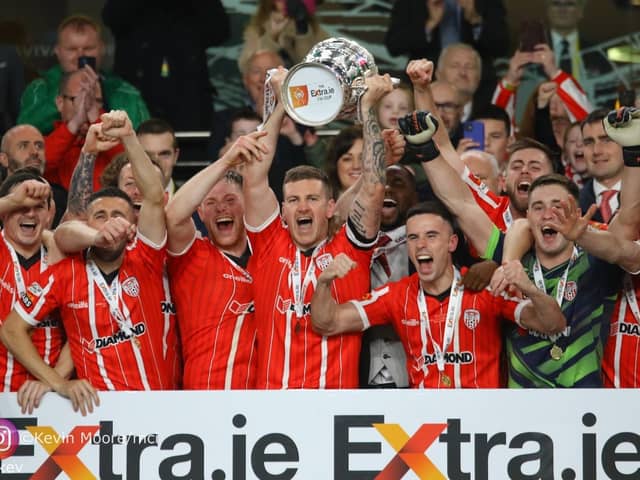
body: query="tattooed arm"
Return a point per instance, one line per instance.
(81, 186)
(365, 212)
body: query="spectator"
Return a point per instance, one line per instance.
(484, 167)
(573, 157)
(344, 159)
(242, 122)
(497, 137)
(161, 49)
(567, 42)
(459, 64)
(78, 103)
(605, 165)
(288, 27)
(449, 108)
(78, 36)
(11, 86)
(23, 146)
(158, 139)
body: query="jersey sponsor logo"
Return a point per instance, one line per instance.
(570, 291)
(471, 318)
(631, 329)
(410, 322)
(78, 305)
(284, 306)
(35, 288)
(26, 299)
(236, 278)
(111, 340)
(168, 307)
(238, 308)
(7, 286)
(131, 287)
(451, 358)
(48, 322)
(324, 260)
(286, 261)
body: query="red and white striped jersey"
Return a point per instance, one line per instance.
(621, 362)
(474, 355)
(569, 91)
(214, 303)
(48, 337)
(290, 353)
(111, 356)
(496, 207)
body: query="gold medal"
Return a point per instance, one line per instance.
(445, 380)
(556, 352)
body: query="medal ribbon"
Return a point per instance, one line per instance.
(453, 312)
(300, 286)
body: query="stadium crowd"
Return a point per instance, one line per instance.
(437, 242)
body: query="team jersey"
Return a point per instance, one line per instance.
(590, 291)
(496, 207)
(48, 337)
(112, 353)
(216, 319)
(621, 364)
(290, 353)
(473, 357)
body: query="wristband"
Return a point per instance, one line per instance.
(631, 156)
(424, 152)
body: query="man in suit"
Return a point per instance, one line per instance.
(605, 165)
(424, 28)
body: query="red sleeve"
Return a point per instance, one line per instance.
(376, 307)
(266, 236)
(149, 254)
(573, 96)
(504, 97)
(56, 145)
(506, 307)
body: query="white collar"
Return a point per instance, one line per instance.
(598, 187)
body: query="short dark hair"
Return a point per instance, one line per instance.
(244, 113)
(20, 176)
(233, 177)
(157, 126)
(340, 145)
(433, 207)
(556, 179)
(595, 116)
(111, 174)
(307, 172)
(493, 112)
(526, 142)
(110, 192)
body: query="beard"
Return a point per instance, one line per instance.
(108, 254)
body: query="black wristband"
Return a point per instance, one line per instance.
(424, 152)
(631, 156)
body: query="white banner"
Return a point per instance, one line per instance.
(318, 435)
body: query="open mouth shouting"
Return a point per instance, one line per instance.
(425, 262)
(224, 224)
(523, 187)
(304, 223)
(389, 204)
(28, 227)
(548, 233)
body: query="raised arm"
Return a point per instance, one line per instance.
(151, 221)
(327, 317)
(623, 126)
(420, 72)
(15, 334)
(75, 235)
(419, 128)
(27, 194)
(259, 200)
(180, 226)
(366, 207)
(81, 186)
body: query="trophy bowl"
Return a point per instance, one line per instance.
(328, 83)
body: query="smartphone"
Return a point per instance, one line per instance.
(91, 61)
(475, 131)
(532, 32)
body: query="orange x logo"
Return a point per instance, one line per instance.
(63, 452)
(410, 451)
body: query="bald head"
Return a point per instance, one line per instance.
(484, 166)
(460, 64)
(448, 103)
(22, 146)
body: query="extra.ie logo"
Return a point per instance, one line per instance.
(9, 438)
